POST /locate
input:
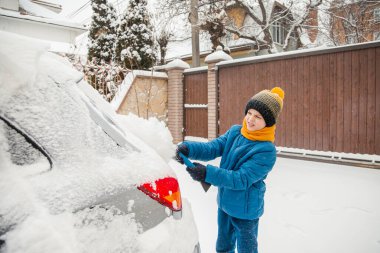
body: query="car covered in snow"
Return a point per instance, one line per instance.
(72, 179)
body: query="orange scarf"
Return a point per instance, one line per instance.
(265, 134)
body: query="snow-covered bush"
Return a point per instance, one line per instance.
(135, 45)
(102, 34)
(105, 78)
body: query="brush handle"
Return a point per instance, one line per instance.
(186, 161)
(189, 164)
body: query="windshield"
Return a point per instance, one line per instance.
(53, 112)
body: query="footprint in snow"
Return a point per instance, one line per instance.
(357, 209)
(294, 229)
(322, 211)
(294, 195)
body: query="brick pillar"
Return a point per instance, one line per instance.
(175, 98)
(212, 88)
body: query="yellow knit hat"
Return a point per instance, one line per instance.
(268, 103)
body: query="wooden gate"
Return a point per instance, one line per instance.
(332, 97)
(195, 103)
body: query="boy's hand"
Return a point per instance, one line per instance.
(198, 173)
(181, 149)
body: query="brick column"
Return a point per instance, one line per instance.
(212, 88)
(175, 98)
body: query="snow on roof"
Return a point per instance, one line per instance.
(37, 10)
(179, 48)
(127, 83)
(57, 22)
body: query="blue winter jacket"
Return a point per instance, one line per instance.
(243, 168)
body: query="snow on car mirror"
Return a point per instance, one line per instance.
(23, 151)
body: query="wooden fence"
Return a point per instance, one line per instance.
(332, 97)
(195, 100)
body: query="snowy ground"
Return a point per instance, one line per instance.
(310, 207)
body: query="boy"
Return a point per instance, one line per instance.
(248, 155)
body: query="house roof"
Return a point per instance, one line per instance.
(39, 8)
(53, 22)
(56, 6)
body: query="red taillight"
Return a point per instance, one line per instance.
(166, 191)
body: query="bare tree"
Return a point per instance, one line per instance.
(292, 24)
(271, 22)
(170, 22)
(164, 29)
(260, 19)
(352, 22)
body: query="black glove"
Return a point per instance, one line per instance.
(198, 173)
(181, 149)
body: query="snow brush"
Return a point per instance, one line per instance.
(189, 164)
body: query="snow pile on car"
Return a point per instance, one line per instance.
(155, 133)
(39, 92)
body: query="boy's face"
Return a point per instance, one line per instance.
(254, 120)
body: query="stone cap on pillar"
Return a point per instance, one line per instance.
(217, 56)
(177, 64)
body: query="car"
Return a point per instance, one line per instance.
(72, 178)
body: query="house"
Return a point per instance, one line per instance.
(38, 19)
(240, 47)
(334, 23)
(279, 27)
(354, 21)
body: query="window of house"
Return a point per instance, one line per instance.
(352, 39)
(376, 36)
(349, 27)
(376, 15)
(278, 32)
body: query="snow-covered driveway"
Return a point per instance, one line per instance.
(310, 208)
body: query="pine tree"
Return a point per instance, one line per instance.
(135, 46)
(102, 35)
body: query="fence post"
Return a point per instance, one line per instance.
(212, 87)
(175, 71)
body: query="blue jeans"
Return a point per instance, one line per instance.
(232, 230)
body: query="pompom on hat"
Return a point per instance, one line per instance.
(268, 103)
